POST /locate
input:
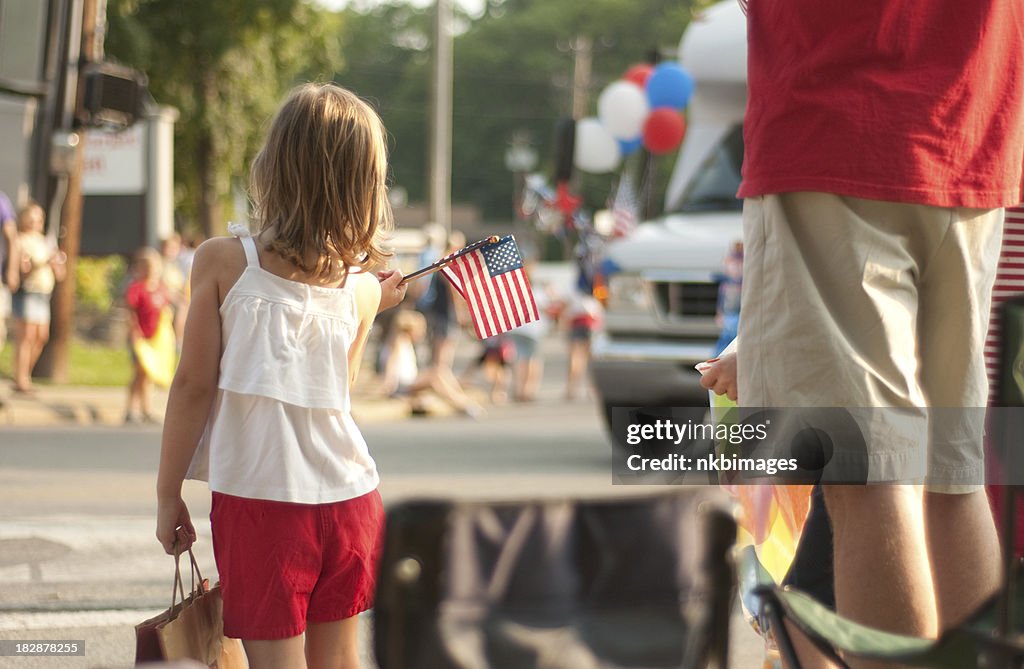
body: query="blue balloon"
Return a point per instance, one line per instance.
(669, 86)
(628, 146)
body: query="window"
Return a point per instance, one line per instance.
(714, 186)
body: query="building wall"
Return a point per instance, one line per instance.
(17, 118)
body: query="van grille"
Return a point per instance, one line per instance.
(680, 299)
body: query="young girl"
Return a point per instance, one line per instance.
(275, 332)
(152, 334)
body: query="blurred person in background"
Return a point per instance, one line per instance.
(9, 274)
(41, 266)
(527, 339)
(582, 317)
(175, 281)
(438, 306)
(402, 376)
(151, 337)
(730, 284)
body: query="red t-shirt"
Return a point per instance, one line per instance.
(146, 305)
(900, 100)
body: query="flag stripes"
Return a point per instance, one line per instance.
(1009, 283)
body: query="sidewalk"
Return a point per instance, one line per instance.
(79, 406)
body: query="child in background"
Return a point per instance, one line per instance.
(402, 376)
(527, 339)
(398, 357)
(583, 317)
(261, 406)
(152, 335)
(176, 283)
(730, 287)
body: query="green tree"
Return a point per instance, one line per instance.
(512, 76)
(224, 65)
(387, 61)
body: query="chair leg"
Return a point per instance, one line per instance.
(1006, 614)
(776, 621)
(782, 639)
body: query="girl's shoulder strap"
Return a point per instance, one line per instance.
(240, 230)
(252, 256)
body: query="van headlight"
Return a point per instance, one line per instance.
(628, 292)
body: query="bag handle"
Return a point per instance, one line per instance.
(179, 583)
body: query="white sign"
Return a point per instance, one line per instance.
(115, 163)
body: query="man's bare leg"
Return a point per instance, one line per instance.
(964, 550)
(883, 577)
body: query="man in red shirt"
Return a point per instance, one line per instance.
(882, 139)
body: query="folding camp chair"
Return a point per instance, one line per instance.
(639, 582)
(992, 638)
(976, 644)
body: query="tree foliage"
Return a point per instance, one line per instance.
(224, 65)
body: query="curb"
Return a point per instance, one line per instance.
(84, 406)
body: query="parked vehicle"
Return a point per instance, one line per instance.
(663, 292)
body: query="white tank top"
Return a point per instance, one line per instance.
(280, 427)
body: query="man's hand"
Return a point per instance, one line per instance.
(719, 375)
(392, 290)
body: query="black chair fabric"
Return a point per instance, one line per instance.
(640, 582)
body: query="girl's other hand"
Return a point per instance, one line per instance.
(174, 526)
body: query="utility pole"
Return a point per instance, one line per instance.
(583, 51)
(84, 44)
(441, 118)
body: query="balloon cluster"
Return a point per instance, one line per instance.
(644, 108)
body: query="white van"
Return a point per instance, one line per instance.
(660, 311)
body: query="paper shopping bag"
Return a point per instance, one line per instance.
(190, 629)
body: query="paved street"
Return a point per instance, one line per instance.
(78, 559)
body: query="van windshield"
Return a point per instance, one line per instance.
(714, 186)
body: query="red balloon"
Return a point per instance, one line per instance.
(663, 130)
(639, 73)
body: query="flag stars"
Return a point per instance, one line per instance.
(502, 257)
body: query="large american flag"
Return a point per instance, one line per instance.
(495, 286)
(1009, 283)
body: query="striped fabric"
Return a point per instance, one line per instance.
(1009, 283)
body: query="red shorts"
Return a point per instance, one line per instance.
(283, 564)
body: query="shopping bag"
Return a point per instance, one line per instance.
(192, 628)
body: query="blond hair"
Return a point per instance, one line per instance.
(319, 182)
(147, 262)
(31, 207)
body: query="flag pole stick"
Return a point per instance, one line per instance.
(430, 269)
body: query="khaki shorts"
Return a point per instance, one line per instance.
(859, 304)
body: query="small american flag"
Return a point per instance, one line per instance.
(494, 284)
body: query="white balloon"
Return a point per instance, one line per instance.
(596, 151)
(623, 108)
